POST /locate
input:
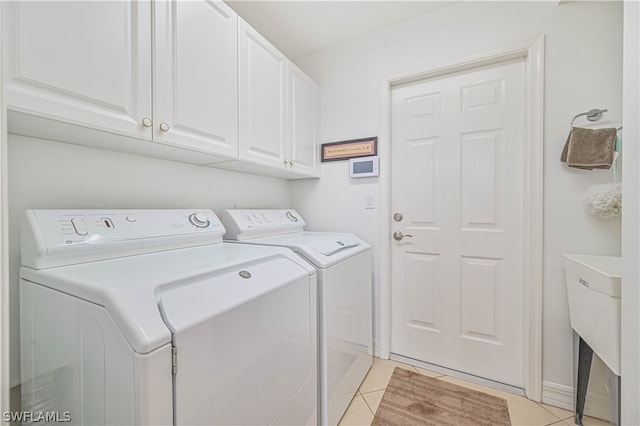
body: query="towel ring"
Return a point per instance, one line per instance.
(592, 115)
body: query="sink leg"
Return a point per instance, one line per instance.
(614, 400)
(585, 355)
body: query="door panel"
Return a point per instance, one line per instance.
(457, 177)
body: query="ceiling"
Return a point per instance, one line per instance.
(302, 27)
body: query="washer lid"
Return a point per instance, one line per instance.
(129, 287)
(322, 249)
(249, 329)
(329, 245)
(186, 306)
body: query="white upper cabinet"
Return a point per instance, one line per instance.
(83, 62)
(262, 98)
(196, 76)
(184, 80)
(278, 110)
(89, 64)
(304, 149)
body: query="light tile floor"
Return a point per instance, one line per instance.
(522, 411)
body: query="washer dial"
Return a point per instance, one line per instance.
(199, 220)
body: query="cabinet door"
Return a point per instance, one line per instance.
(303, 123)
(262, 99)
(87, 63)
(196, 82)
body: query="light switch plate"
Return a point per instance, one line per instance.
(369, 200)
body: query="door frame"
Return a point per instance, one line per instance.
(532, 52)
(5, 380)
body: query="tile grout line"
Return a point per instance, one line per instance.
(368, 406)
(549, 411)
(372, 391)
(554, 423)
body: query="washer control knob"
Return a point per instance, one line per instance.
(292, 217)
(199, 220)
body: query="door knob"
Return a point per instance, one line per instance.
(398, 236)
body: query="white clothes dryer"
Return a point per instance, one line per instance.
(145, 317)
(343, 262)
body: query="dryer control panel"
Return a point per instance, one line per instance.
(63, 237)
(248, 224)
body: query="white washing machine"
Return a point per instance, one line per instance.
(145, 317)
(343, 262)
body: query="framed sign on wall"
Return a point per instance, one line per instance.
(344, 150)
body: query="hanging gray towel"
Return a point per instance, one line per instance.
(589, 148)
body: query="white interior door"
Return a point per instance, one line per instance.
(458, 181)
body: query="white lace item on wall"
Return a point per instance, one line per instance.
(605, 201)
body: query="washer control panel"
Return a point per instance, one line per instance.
(247, 224)
(93, 233)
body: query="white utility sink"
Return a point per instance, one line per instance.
(593, 288)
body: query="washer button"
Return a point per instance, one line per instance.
(79, 226)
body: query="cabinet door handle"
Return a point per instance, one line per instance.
(286, 162)
(146, 122)
(291, 162)
(164, 127)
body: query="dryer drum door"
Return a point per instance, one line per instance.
(246, 346)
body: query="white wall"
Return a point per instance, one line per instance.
(583, 71)
(47, 174)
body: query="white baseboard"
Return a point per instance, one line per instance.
(561, 396)
(376, 348)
